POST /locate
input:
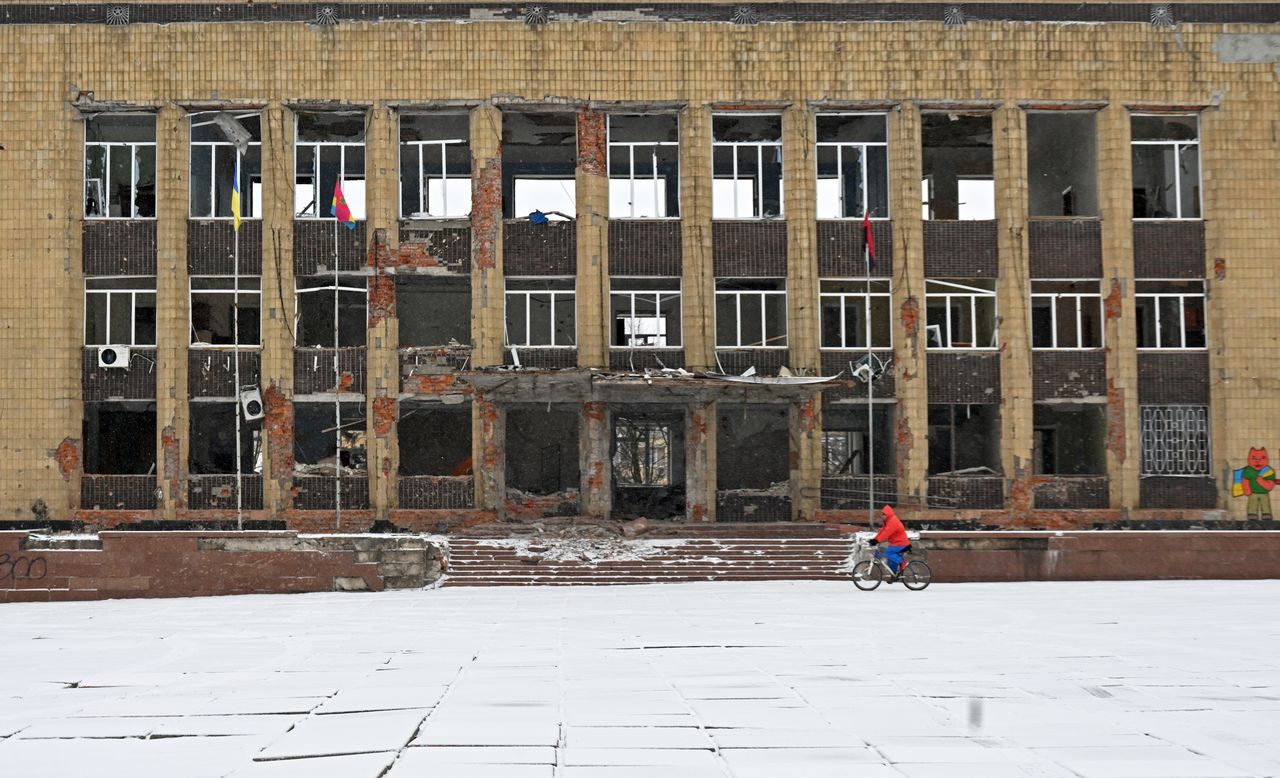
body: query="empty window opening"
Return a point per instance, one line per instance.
(539, 164)
(747, 166)
(853, 311)
(1166, 166)
(644, 166)
(120, 311)
(964, 439)
(433, 310)
(847, 446)
(119, 438)
(322, 440)
(853, 166)
(213, 440)
(434, 439)
(1066, 314)
(648, 461)
(435, 166)
(542, 449)
(1062, 163)
(751, 312)
(753, 444)
(224, 146)
(213, 311)
(959, 167)
(1170, 314)
(540, 312)
(645, 312)
(1175, 440)
(120, 166)
(324, 307)
(330, 149)
(960, 314)
(1070, 438)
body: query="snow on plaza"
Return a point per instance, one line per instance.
(1157, 679)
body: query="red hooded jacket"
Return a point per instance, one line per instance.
(892, 533)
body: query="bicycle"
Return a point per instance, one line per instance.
(870, 573)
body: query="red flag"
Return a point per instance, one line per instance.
(871, 243)
(339, 208)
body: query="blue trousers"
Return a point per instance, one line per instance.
(893, 555)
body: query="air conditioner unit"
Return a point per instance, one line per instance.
(113, 356)
(251, 404)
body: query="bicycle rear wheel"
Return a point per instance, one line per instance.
(916, 575)
(867, 576)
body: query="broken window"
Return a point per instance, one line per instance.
(539, 164)
(753, 444)
(853, 166)
(332, 312)
(853, 311)
(645, 312)
(642, 452)
(120, 166)
(1062, 163)
(540, 312)
(435, 439)
(320, 429)
(120, 311)
(1175, 440)
(433, 310)
(846, 442)
(435, 166)
(959, 167)
(119, 438)
(644, 166)
(1066, 314)
(1070, 438)
(1166, 166)
(542, 448)
(1170, 314)
(225, 148)
(751, 312)
(330, 149)
(747, 166)
(214, 319)
(212, 450)
(964, 439)
(960, 314)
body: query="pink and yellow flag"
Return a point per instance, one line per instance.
(340, 209)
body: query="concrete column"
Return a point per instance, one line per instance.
(806, 458)
(1115, 201)
(278, 304)
(1013, 305)
(700, 462)
(487, 304)
(489, 432)
(595, 449)
(911, 433)
(592, 184)
(382, 363)
(172, 322)
(695, 227)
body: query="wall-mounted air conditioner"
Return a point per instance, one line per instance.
(251, 404)
(113, 356)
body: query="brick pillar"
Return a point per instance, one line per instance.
(911, 431)
(382, 365)
(593, 240)
(695, 228)
(1115, 201)
(806, 458)
(489, 433)
(487, 305)
(1013, 304)
(278, 304)
(172, 322)
(595, 449)
(700, 462)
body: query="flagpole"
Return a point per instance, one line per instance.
(871, 428)
(337, 376)
(235, 339)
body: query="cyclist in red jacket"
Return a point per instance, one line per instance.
(894, 536)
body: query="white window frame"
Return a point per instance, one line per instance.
(866, 311)
(1178, 145)
(1182, 312)
(133, 293)
(763, 294)
(571, 294)
(1053, 298)
(862, 147)
(236, 290)
(656, 296)
(320, 201)
(659, 198)
(1183, 426)
(332, 288)
(210, 147)
(423, 181)
(104, 194)
(972, 294)
(758, 181)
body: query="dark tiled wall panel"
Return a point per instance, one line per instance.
(118, 492)
(964, 378)
(1060, 375)
(748, 507)
(135, 382)
(428, 492)
(1169, 492)
(1073, 494)
(966, 493)
(119, 247)
(218, 492)
(837, 362)
(1065, 249)
(212, 373)
(639, 359)
(546, 358)
(313, 244)
(841, 245)
(313, 370)
(450, 247)
(318, 492)
(851, 493)
(743, 249)
(530, 249)
(644, 248)
(1172, 378)
(1168, 249)
(955, 249)
(211, 247)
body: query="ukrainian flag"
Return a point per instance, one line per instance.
(235, 194)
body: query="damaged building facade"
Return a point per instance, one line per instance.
(1046, 245)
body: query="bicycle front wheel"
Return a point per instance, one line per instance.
(916, 575)
(866, 576)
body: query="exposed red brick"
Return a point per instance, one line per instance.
(592, 143)
(807, 415)
(904, 441)
(1220, 269)
(444, 383)
(386, 466)
(380, 255)
(382, 299)
(384, 415)
(68, 456)
(486, 213)
(533, 507)
(1111, 305)
(911, 320)
(345, 382)
(1115, 420)
(415, 255)
(173, 464)
(279, 427)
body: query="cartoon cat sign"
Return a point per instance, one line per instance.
(1255, 481)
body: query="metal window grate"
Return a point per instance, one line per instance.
(1175, 440)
